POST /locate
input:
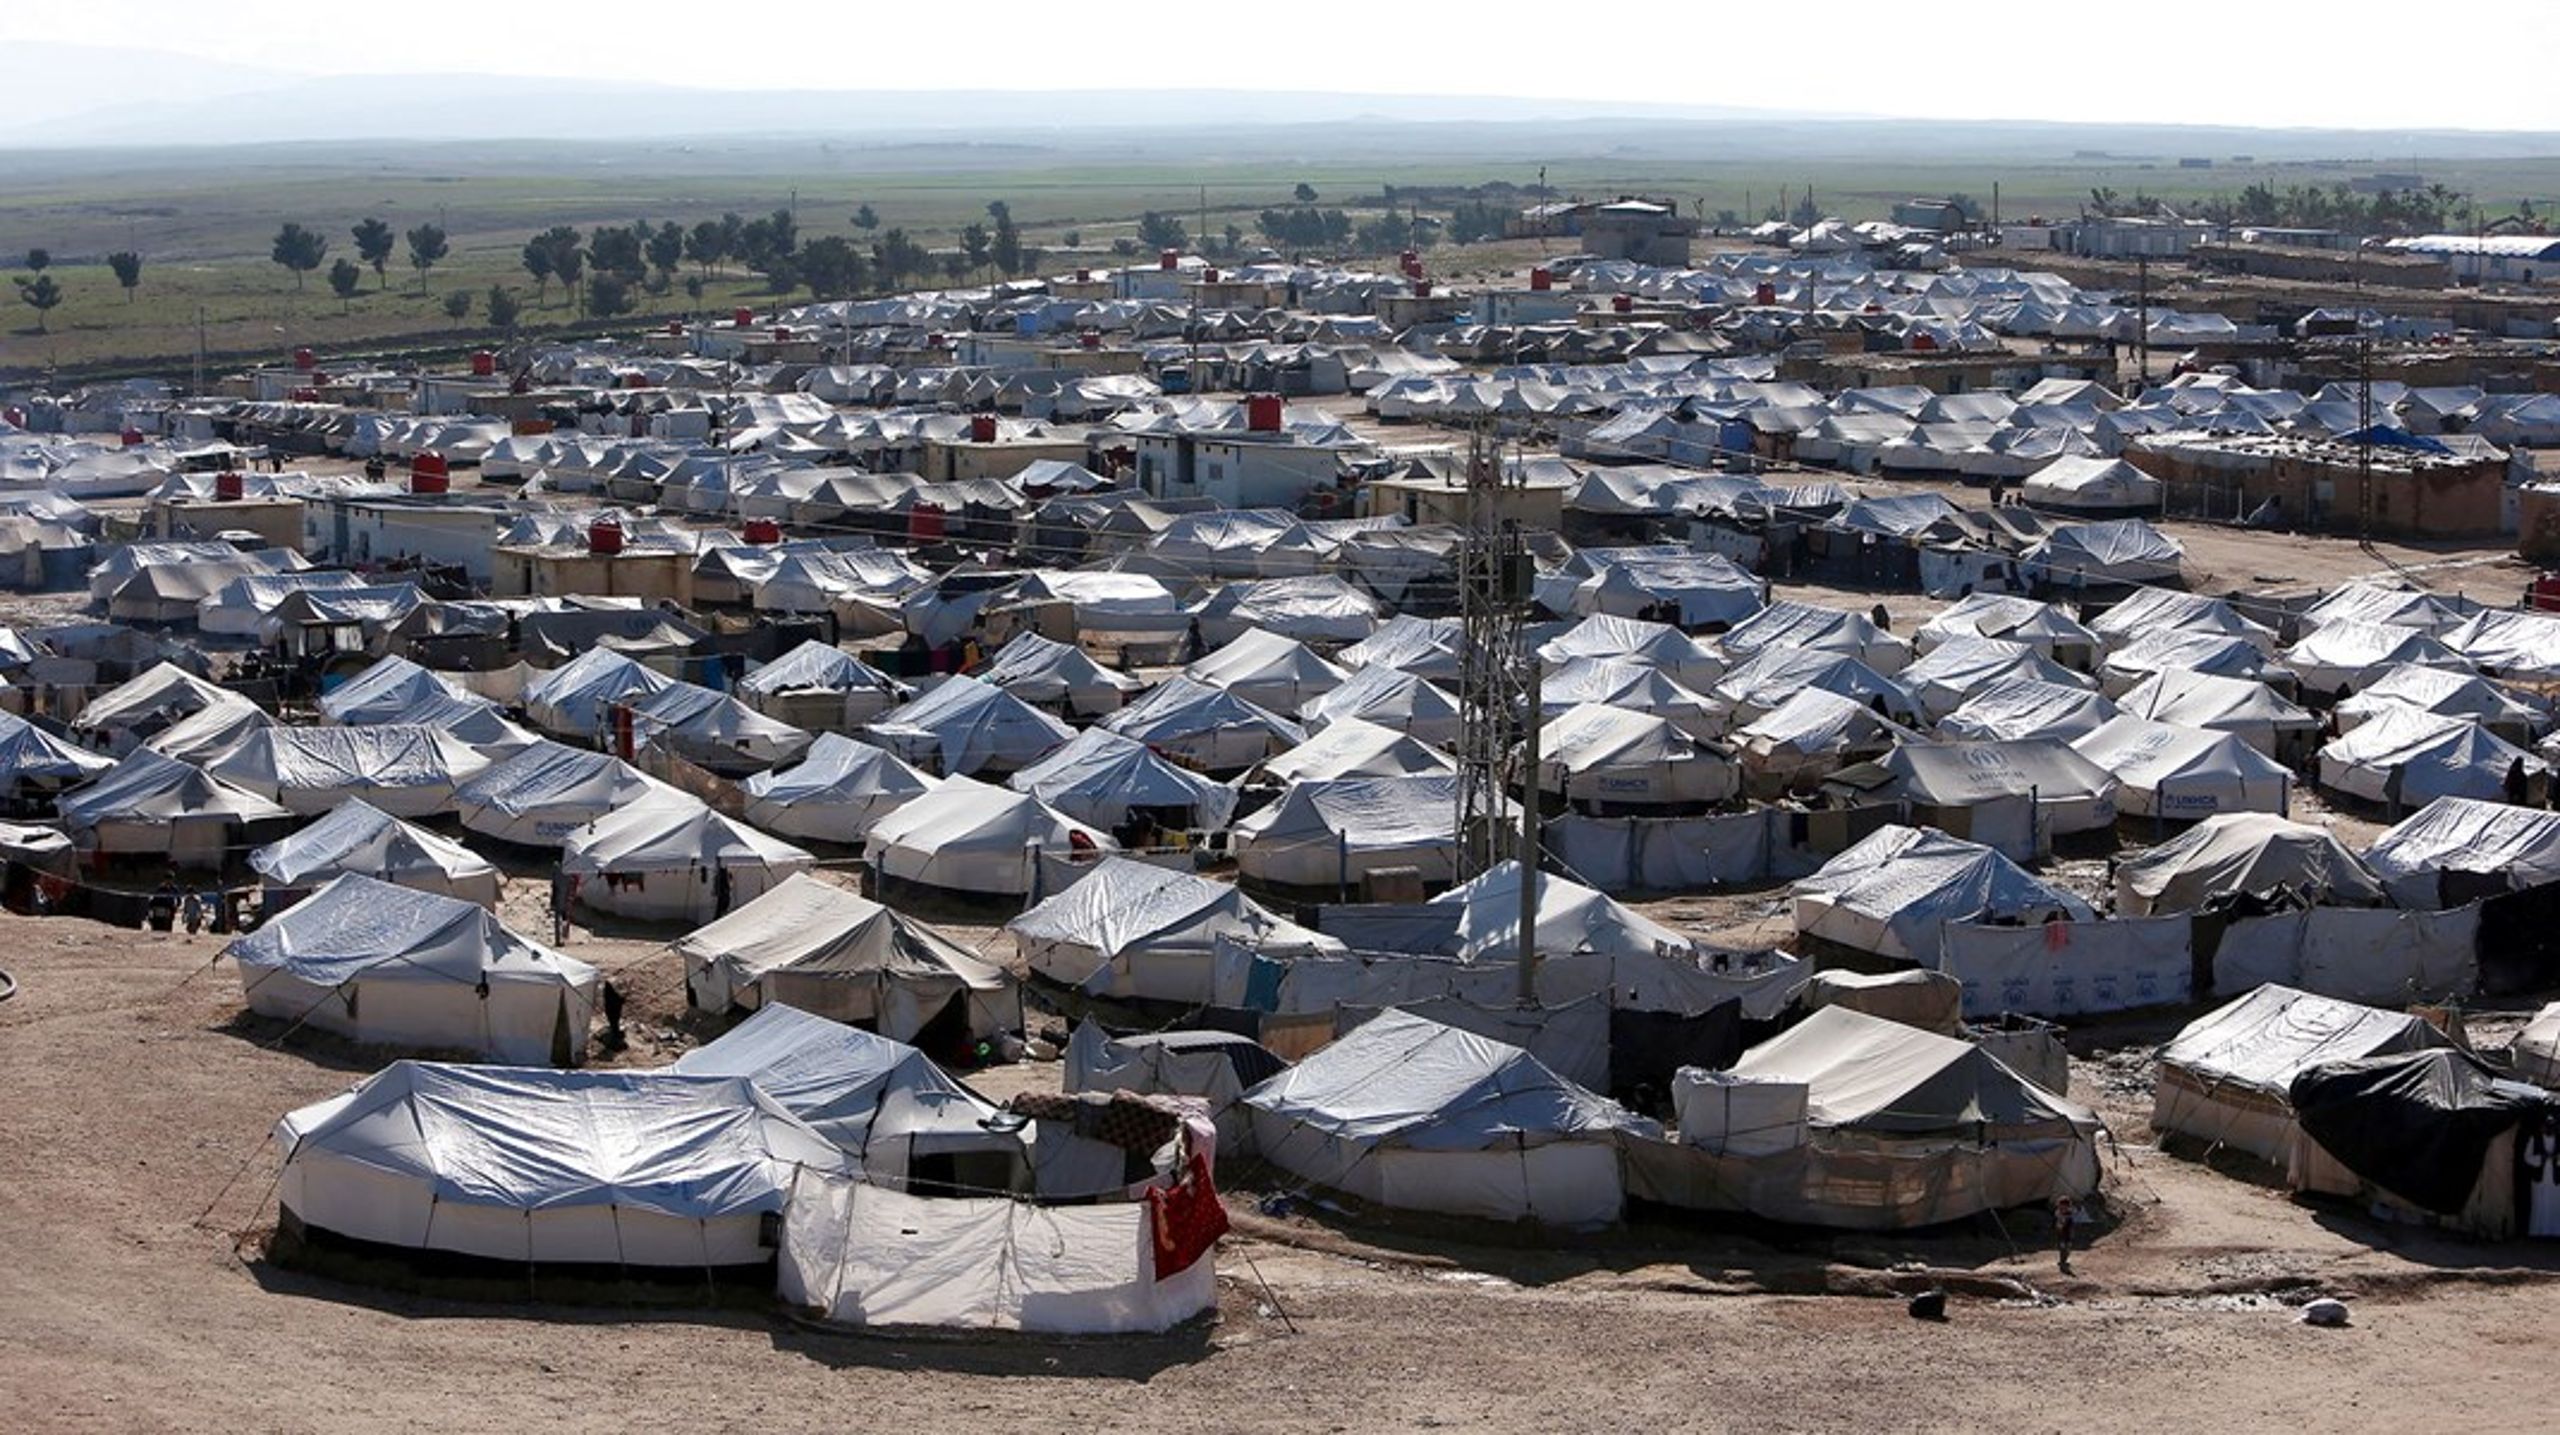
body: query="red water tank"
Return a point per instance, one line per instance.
(483, 363)
(1623, 303)
(1540, 281)
(317, 379)
(604, 537)
(924, 523)
(675, 327)
(763, 530)
(423, 479)
(1410, 261)
(304, 358)
(623, 731)
(782, 332)
(304, 396)
(1765, 295)
(227, 485)
(1168, 259)
(1262, 413)
(131, 437)
(743, 318)
(982, 428)
(1208, 276)
(14, 417)
(635, 381)
(1084, 276)
(1421, 288)
(1090, 338)
(1924, 342)
(431, 465)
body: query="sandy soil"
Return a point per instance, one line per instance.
(135, 1298)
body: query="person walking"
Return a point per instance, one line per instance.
(2064, 1213)
(191, 913)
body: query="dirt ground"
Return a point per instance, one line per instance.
(137, 1099)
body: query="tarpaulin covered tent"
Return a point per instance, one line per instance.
(2244, 707)
(2519, 846)
(1955, 670)
(1687, 661)
(2446, 693)
(1105, 780)
(406, 771)
(714, 731)
(2227, 1078)
(2244, 854)
(1314, 608)
(2093, 487)
(1268, 669)
(1617, 682)
(1205, 727)
(968, 837)
(1134, 931)
(1218, 1067)
(363, 839)
(2012, 619)
(2429, 1134)
(1759, 684)
(875, 1098)
(964, 725)
(1391, 699)
(2537, 1048)
(385, 692)
(822, 688)
(2521, 646)
(1426, 647)
(2012, 708)
(833, 952)
(835, 793)
(1055, 677)
(625, 1170)
(1811, 628)
(1414, 1115)
(1571, 918)
(1857, 1122)
(542, 794)
(674, 862)
(2152, 610)
(122, 716)
(392, 966)
(158, 806)
(1335, 833)
(2407, 757)
(576, 700)
(1989, 791)
(2176, 650)
(2183, 773)
(2345, 655)
(34, 763)
(1352, 748)
(1810, 736)
(2367, 602)
(1890, 894)
(1611, 757)
(1691, 589)
(212, 733)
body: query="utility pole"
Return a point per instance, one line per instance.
(2142, 322)
(198, 390)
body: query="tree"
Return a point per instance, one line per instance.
(40, 294)
(537, 262)
(503, 308)
(976, 245)
(1161, 231)
(896, 256)
(568, 261)
(1074, 238)
(457, 306)
(128, 269)
(426, 246)
(866, 219)
(666, 249)
(345, 278)
(374, 241)
(706, 246)
(39, 260)
(618, 252)
(2104, 201)
(1305, 193)
(831, 267)
(608, 294)
(693, 287)
(299, 250)
(956, 267)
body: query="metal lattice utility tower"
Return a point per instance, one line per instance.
(1498, 693)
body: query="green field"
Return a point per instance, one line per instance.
(203, 220)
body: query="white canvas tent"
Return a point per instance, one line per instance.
(2407, 757)
(1056, 677)
(34, 762)
(837, 791)
(962, 725)
(2183, 773)
(968, 837)
(1391, 699)
(2012, 708)
(542, 794)
(405, 771)
(1685, 660)
(1132, 931)
(2469, 836)
(2012, 619)
(576, 699)
(835, 953)
(1857, 1122)
(1952, 672)
(1352, 748)
(391, 966)
(1270, 670)
(2225, 1079)
(1103, 780)
(822, 688)
(1335, 833)
(715, 731)
(1891, 894)
(158, 806)
(2244, 707)
(2093, 487)
(1414, 1115)
(619, 1169)
(1572, 919)
(1610, 757)
(674, 861)
(2446, 693)
(363, 839)
(2251, 854)
(1810, 736)
(1205, 727)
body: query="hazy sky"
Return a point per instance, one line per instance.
(2483, 64)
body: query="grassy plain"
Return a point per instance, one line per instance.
(203, 219)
